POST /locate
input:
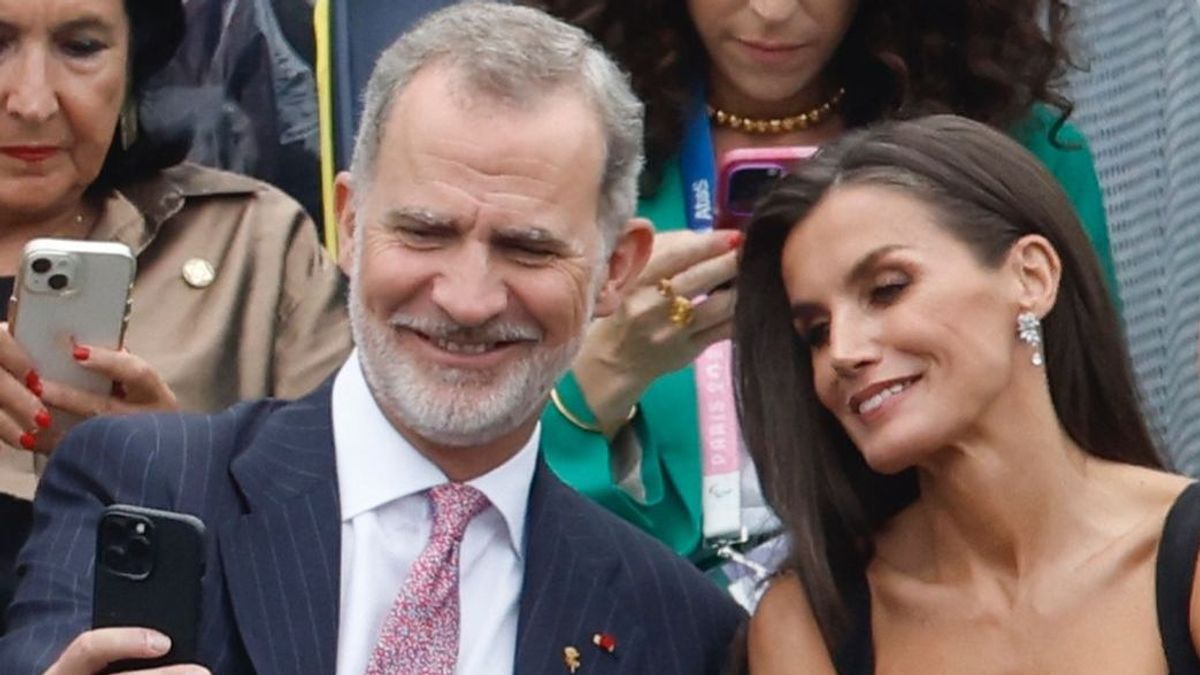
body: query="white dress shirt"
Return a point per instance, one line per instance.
(386, 522)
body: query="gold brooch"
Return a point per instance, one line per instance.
(571, 658)
(199, 273)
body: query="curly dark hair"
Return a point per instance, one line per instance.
(156, 30)
(988, 60)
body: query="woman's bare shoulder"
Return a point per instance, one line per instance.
(1145, 492)
(784, 637)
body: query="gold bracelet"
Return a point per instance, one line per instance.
(562, 409)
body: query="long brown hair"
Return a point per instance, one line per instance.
(988, 192)
(987, 60)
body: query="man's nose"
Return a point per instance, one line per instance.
(470, 291)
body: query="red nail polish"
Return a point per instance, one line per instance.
(42, 418)
(33, 382)
(734, 238)
(81, 353)
(28, 440)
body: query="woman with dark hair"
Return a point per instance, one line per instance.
(627, 426)
(233, 299)
(934, 387)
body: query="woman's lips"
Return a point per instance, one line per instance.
(770, 52)
(29, 153)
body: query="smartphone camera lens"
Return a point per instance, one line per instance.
(41, 265)
(56, 281)
(127, 550)
(138, 548)
(747, 185)
(113, 557)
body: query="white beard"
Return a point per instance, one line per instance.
(455, 406)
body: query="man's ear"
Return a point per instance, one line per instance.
(344, 211)
(625, 263)
(1038, 271)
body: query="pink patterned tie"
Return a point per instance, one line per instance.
(420, 634)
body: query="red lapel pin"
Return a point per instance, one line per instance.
(605, 641)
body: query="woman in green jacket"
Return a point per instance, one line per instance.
(716, 75)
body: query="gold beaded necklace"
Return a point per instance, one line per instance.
(777, 125)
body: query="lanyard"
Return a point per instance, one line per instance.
(698, 167)
(720, 435)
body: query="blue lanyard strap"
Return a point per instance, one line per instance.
(698, 167)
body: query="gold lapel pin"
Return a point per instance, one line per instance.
(199, 273)
(571, 658)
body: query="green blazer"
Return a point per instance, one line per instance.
(667, 423)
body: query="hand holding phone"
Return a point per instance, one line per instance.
(69, 293)
(95, 651)
(746, 173)
(149, 566)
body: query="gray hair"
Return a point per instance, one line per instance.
(515, 54)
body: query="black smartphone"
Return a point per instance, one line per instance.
(149, 566)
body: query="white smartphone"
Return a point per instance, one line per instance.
(69, 291)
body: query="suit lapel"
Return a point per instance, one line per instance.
(282, 558)
(571, 570)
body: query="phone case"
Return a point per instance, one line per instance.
(153, 583)
(746, 160)
(70, 291)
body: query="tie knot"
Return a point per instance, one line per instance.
(454, 505)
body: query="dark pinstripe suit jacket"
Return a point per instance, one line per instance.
(262, 476)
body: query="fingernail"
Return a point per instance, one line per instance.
(42, 418)
(734, 238)
(81, 353)
(28, 440)
(157, 642)
(118, 390)
(33, 382)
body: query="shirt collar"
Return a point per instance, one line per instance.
(377, 465)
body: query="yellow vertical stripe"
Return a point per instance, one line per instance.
(321, 21)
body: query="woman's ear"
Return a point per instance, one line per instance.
(1037, 270)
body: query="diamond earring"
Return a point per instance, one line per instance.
(1029, 330)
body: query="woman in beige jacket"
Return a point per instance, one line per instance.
(234, 298)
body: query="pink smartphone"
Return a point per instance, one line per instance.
(745, 173)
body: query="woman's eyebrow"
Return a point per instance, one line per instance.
(86, 22)
(861, 270)
(868, 262)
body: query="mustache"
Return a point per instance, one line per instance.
(492, 331)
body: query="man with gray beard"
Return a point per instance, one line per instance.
(399, 519)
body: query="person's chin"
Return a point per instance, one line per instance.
(463, 421)
(890, 451)
(888, 464)
(767, 87)
(32, 194)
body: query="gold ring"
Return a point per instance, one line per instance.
(682, 311)
(665, 289)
